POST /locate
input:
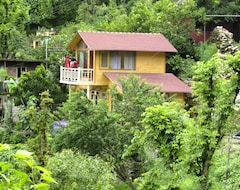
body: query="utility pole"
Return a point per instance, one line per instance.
(46, 51)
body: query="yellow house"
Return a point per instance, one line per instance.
(103, 56)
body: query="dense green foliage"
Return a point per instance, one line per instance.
(217, 85)
(19, 170)
(159, 144)
(102, 132)
(224, 172)
(146, 141)
(74, 170)
(144, 132)
(91, 134)
(19, 29)
(222, 7)
(31, 84)
(14, 16)
(187, 147)
(41, 122)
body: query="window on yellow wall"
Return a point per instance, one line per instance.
(104, 59)
(115, 60)
(129, 60)
(122, 60)
(118, 60)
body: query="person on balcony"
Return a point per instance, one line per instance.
(67, 61)
(73, 63)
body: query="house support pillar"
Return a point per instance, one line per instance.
(88, 91)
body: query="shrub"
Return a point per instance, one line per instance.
(80, 171)
(18, 170)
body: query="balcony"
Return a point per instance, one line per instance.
(76, 76)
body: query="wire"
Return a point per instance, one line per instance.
(69, 4)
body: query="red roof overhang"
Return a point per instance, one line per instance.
(168, 82)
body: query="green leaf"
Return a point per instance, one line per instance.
(30, 162)
(41, 186)
(23, 177)
(48, 178)
(42, 169)
(5, 166)
(5, 177)
(22, 154)
(4, 147)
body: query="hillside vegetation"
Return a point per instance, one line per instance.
(59, 139)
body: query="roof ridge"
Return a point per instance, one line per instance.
(118, 32)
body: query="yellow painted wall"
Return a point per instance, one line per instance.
(180, 97)
(147, 62)
(150, 62)
(99, 77)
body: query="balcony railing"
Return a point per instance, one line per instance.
(76, 75)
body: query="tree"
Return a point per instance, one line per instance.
(93, 129)
(41, 122)
(142, 17)
(74, 170)
(224, 170)
(87, 125)
(63, 12)
(40, 12)
(159, 144)
(127, 110)
(183, 68)
(190, 152)
(13, 19)
(35, 82)
(6, 85)
(111, 17)
(220, 8)
(204, 51)
(103, 16)
(174, 22)
(216, 88)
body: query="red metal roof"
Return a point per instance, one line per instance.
(120, 41)
(167, 81)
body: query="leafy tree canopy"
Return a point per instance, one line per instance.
(216, 7)
(184, 146)
(14, 15)
(40, 11)
(74, 170)
(33, 83)
(93, 129)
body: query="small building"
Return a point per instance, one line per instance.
(41, 35)
(103, 56)
(14, 69)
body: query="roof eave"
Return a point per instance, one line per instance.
(72, 45)
(136, 50)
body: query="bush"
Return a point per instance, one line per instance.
(79, 171)
(181, 67)
(205, 50)
(18, 170)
